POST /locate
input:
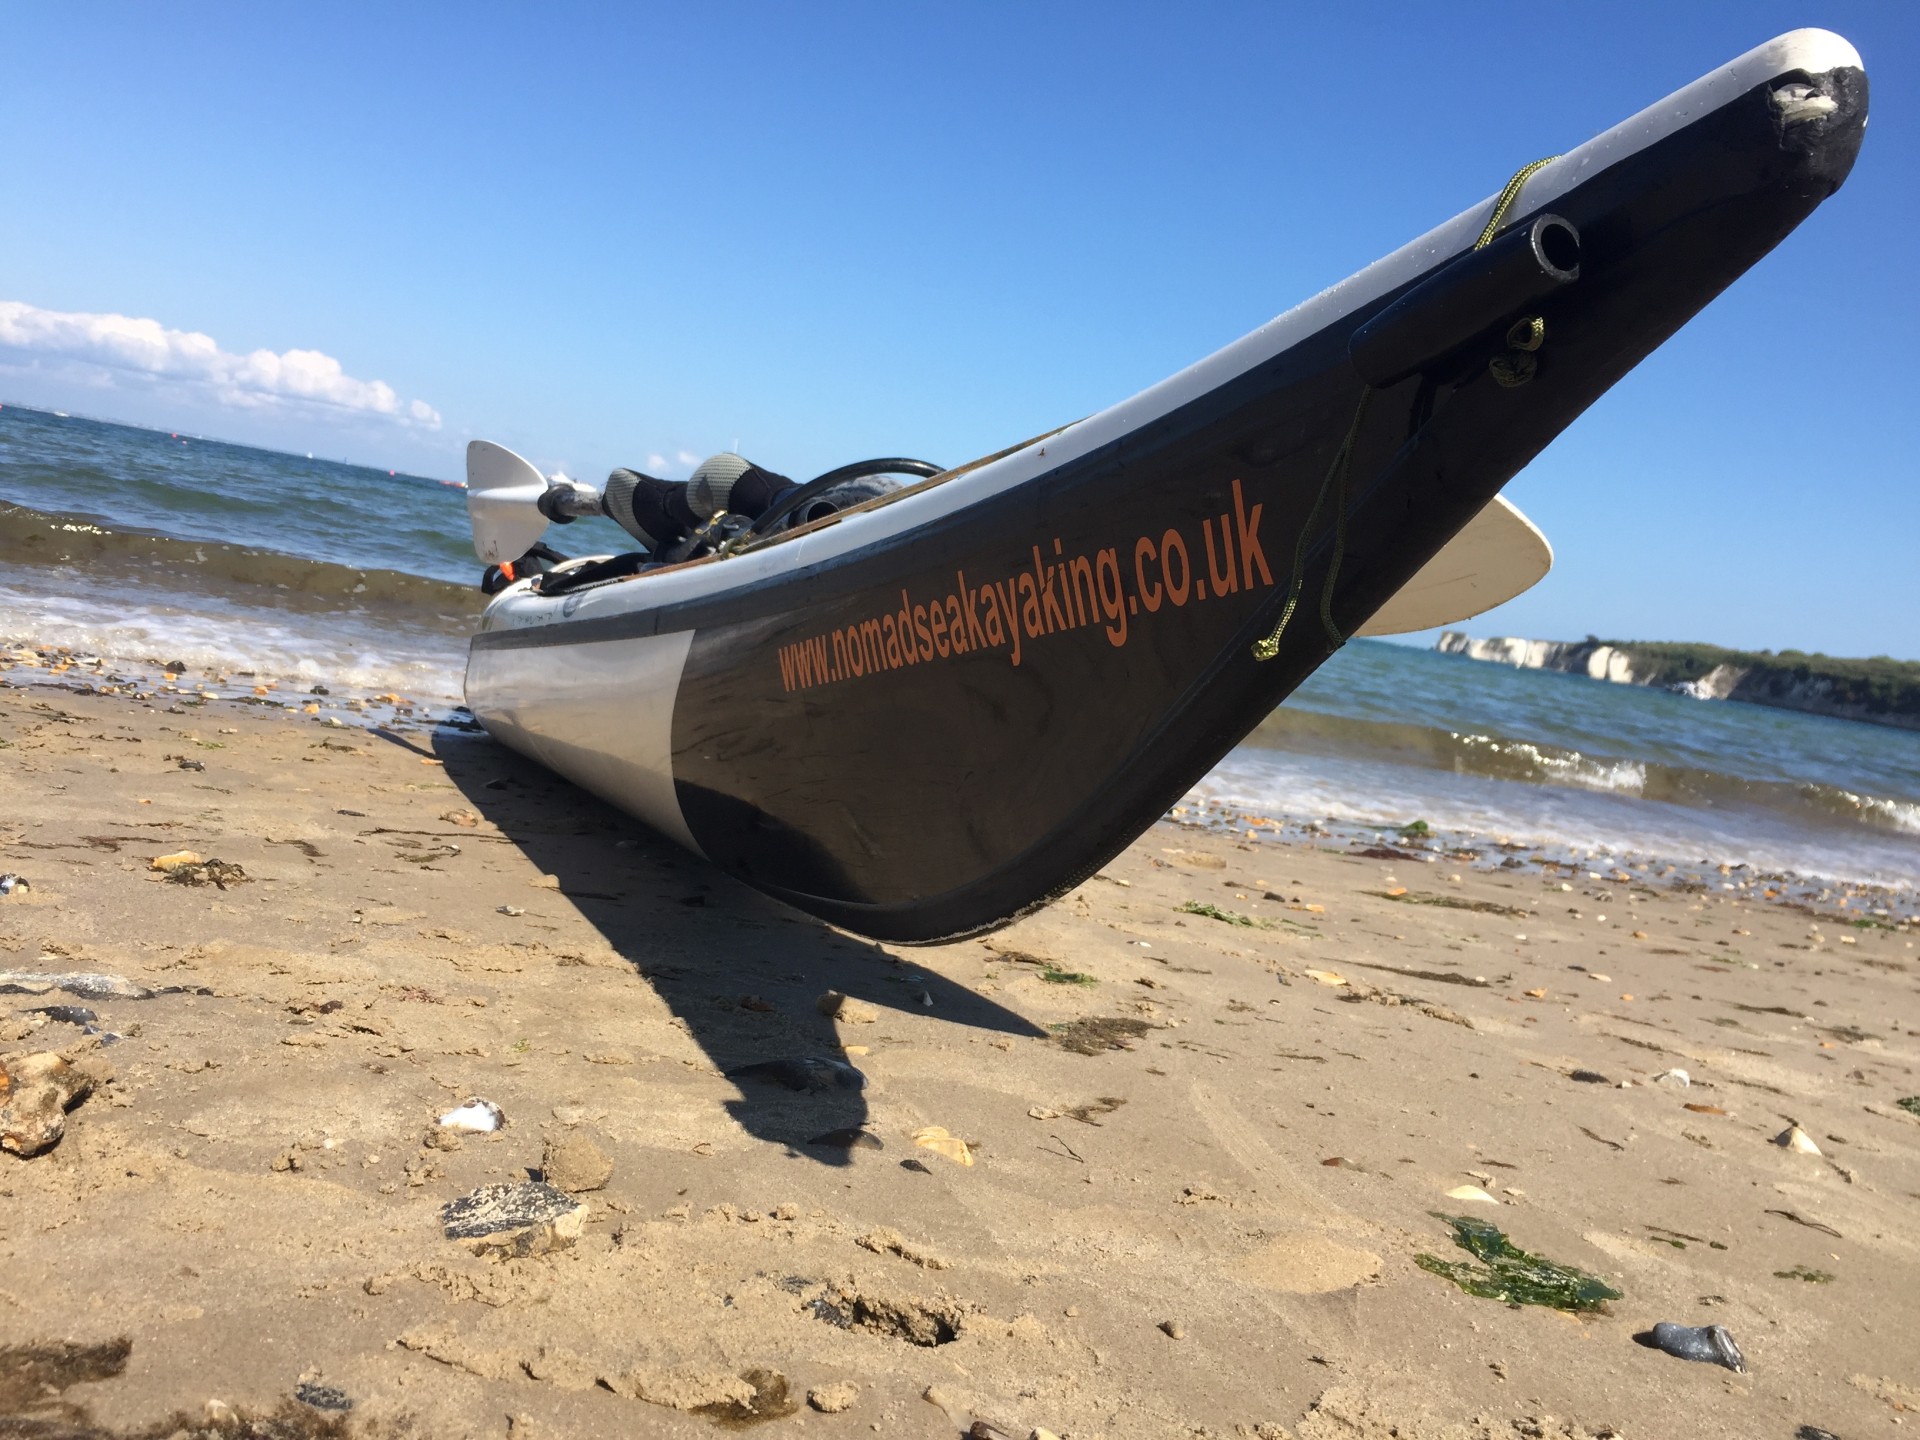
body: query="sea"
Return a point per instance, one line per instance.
(146, 547)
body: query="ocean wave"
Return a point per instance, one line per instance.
(1361, 795)
(1484, 756)
(1900, 816)
(1548, 764)
(95, 550)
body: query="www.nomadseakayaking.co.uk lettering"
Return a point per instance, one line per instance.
(1105, 589)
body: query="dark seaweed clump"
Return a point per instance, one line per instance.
(1096, 1033)
(1506, 1272)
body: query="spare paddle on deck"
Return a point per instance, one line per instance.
(1497, 556)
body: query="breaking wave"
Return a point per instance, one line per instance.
(68, 548)
(1484, 756)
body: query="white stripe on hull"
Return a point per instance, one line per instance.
(599, 714)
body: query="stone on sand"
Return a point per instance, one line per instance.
(36, 1091)
(575, 1164)
(514, 1219)
(832, 1399)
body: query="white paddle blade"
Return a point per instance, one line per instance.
(1497, 556)
(503, 502)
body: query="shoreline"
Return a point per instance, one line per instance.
(1212, 1099)
(48, 665)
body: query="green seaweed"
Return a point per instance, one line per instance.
(1508, 1273)
(1415, 827)
(1910, 1104)
(1214, 912)
(1054, 975)
(1801, 1272)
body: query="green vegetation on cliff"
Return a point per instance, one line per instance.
(1879, 688)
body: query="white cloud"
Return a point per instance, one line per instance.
(149, 350)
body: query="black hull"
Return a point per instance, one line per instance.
(929, 788)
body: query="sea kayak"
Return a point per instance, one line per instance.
(928, 713)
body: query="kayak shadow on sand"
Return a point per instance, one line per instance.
(742, 973)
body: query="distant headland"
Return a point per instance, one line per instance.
(1879, 691)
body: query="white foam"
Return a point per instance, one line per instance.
(212, 636)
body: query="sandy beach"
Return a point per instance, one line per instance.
(1181, 1136)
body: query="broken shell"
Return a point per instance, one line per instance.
(175, 860)
(11, 882)
(937, 1139)
(1794, 1138)
(477, 1116)
(1673, 1077)
(1327, 977)
(1710, 1344)
(1471, 1192)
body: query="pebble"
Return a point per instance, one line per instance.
(1173, 1329)
(322, 1397)
(575, 1164)
(36, 1091)
(1710, 1344)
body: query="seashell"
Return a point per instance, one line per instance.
(1327, 977)
(1471, 1192)
(1673, 1077)
(1794, 1138)
(175, 860)
(937, 1139)
(476, 1116)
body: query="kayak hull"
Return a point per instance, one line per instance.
(921, 720)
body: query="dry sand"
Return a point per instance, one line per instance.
(1152, 1240)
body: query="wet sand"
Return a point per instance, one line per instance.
(1205, 1154)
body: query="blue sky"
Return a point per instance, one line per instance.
(606, 234)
